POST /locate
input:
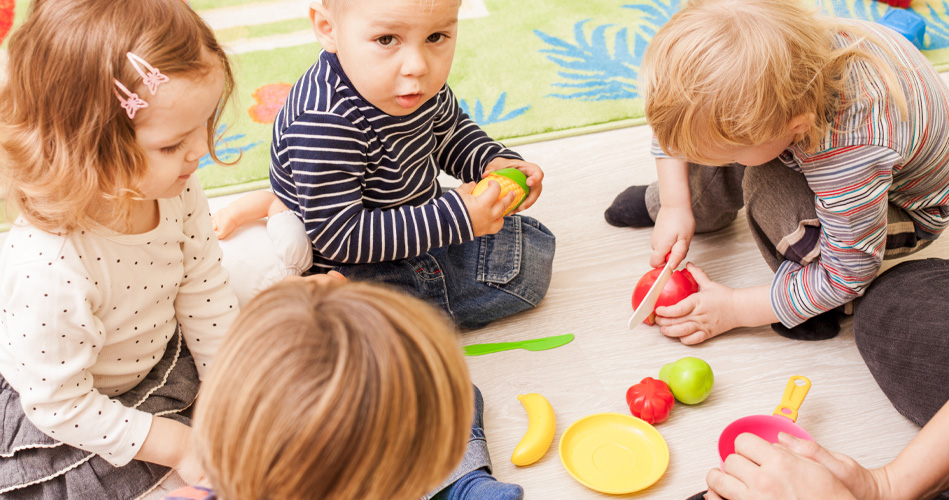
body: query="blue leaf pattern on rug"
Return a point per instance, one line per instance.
(594, 71)
(497, 115)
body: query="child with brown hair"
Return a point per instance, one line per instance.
(830, 132)
(113, 297)
(336, 391)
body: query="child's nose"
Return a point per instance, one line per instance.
(414, 63)
(198, 145)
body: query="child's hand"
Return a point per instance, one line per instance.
(223, 223)
(190, 470)
(700, 316)
(672, 235)
(535, 177)
(486, 211)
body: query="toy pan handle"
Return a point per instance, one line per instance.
(793, 396)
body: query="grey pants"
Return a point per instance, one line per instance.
(901, 326)
(34, 466)
(780, 210)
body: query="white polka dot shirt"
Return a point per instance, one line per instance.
(86, 316)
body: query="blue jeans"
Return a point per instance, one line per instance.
(476, 454)
(488, 278)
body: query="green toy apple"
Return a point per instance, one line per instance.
(689, 378)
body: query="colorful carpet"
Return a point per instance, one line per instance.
(526, 70)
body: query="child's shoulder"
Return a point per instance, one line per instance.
(323, 93)
(26, 243)
(192, 493)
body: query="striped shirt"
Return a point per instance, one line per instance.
(871, 157)
(363, 182)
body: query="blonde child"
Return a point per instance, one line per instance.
(114, 299)
(333, 391)
(359, 145)
(831, 133)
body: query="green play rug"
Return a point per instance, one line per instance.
(526, 70)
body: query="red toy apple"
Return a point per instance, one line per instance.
(650, 400)
(680, 285)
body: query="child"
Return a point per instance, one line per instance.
(357, 149)
(334, 391)
(114, 299)
(830, 132)
(288, 254)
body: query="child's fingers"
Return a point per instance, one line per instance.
(697, 337)
(491, 193)
(678, 252)
(531, 197)
(678, 330)
(535, 176)
(465, 188)
(701, 278)
(682, 308)
(500, 206)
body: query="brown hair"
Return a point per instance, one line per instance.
(733, 73)
(67, 147)
(336, 391)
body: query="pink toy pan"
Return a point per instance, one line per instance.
(767, 427)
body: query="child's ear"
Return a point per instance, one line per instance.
(322, 22)
(800, 124)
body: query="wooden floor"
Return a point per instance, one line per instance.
(595, 269)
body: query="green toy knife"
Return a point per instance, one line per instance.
(540, 344)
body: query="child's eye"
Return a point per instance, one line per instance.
(436, 37)
(385, 40)
(172, 149)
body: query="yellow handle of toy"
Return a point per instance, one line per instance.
(793, 396)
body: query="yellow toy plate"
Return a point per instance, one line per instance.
(614, 453)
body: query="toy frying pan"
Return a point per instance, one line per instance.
(767, 427)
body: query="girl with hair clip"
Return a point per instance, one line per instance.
(336, 391)
(113, 296)
(829, 132)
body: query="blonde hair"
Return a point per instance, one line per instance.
(734, 73)
(67, 148)
(337, 392)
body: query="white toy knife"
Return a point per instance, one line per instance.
(648, 304)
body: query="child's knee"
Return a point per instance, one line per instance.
(901, 327)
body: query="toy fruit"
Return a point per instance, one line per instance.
(510, 179)
(540, 430)
(680, 285)
(689, 378)
(650, 400)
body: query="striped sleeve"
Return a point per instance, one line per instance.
(321, 166)
(851, 186)
(463, 148)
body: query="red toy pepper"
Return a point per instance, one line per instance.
(903, 4)
(680, 285)
(650, 400)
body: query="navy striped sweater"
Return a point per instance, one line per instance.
(365, 182)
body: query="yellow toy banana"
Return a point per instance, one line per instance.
(540, 430)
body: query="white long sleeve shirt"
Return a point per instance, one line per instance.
(86, 316)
